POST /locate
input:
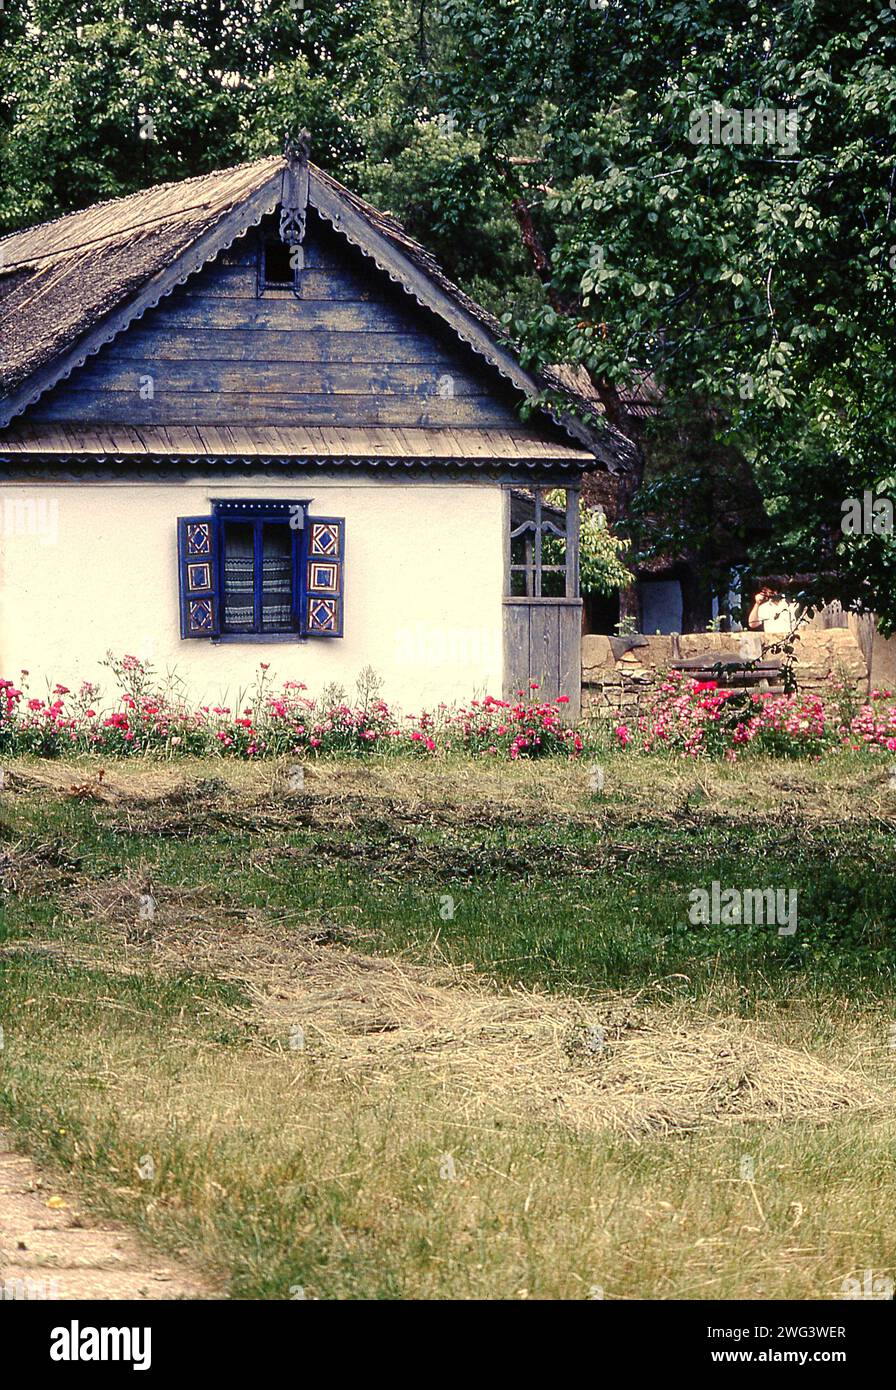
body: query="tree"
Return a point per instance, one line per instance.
(100, 98)
(708, 195)
(602, 567)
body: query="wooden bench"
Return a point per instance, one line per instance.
(731, 671)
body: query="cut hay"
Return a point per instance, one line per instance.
(612, 1065)
(607, 1066)
(34, 866)
(720, 1072)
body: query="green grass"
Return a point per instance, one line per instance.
(588, 900)
(275, 1170)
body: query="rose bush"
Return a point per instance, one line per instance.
(149, 717)
(694, 719)
(685, 717)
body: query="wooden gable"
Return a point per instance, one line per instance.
(349, 349)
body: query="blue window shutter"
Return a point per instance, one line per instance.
(197, 552)
(323, 600)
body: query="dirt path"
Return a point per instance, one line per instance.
(50, 1249)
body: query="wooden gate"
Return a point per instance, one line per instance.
(543, 643)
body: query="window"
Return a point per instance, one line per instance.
(543, 559)
(257, 587)
(261, 570)
(278, 265)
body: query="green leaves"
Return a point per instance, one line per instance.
(752, 279)
(219, 82)
(742, 171)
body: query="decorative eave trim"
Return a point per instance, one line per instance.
(51, 463)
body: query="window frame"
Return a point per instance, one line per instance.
(259, 512)
(264, 285)
(534, 531)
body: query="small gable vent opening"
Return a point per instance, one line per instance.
(277, 270)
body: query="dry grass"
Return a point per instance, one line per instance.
(612, 1063)
(609, 1065)
(840, 787)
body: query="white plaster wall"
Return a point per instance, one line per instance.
(87, 567)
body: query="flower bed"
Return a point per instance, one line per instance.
(697, 718)
(148, 718)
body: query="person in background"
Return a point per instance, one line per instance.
(771, 612)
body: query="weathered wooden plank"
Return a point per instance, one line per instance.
(544, 649)
(243, 252)
(277, 345)
(184, 313)
(569, 670)
(516, 649)
(832, 615)
(863, 627)
(506, 577)
(222, 282)
(258, 438)
(277, 378)
(340, 284)
(241, 282)
(325, 250)
(573, 540)
(172, 407)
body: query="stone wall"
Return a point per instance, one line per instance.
(619, 674)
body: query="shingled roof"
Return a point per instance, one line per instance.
(71, 285)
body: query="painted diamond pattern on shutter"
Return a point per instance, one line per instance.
(197, 572)
(325, 577)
